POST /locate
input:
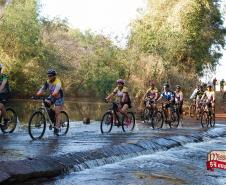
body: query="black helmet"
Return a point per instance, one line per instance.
(166, 85)
(51, 72)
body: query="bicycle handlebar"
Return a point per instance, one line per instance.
(38, 97)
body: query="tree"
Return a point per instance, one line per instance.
(185, 33)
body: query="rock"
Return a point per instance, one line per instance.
(86, 121)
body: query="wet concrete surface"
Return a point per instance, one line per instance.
(176, 166)
(83, 138)
(85, 147)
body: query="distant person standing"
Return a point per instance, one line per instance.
(222, 85)
(214, 83)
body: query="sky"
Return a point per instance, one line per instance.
(108, 17)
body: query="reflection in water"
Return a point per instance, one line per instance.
(76, 110)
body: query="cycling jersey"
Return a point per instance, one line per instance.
(178, 97)
(119, 94)
(197, 93)
(152, 93)
(6, 89)
(53, 87)
(168, 95)
(210, 95)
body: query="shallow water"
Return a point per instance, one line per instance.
(182, 165)
(77, 110)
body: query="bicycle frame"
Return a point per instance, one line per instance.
(115, 110)
(44, 110)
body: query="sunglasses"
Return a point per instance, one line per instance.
(50, 75)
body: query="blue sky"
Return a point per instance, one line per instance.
(109, 17)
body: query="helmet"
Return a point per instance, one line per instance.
(166, 85)
(51, 72)
(121, 81)
(178, 86)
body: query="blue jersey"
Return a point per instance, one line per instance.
(169, 95)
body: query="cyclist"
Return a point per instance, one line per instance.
(4, 92)
(122, 97)
(53, 85)
(151, 95)
(169, 97)
(179, 98)
(197, 95)
(222, 82)
(214, 83)
(209, 96)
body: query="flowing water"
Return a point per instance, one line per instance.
(181, 165)
(150, 161)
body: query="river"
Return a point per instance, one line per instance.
(181, 165)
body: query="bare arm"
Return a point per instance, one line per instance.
(110, 96)
(2, 86)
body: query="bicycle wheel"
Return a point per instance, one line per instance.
(175, 119)
(37, 125)
(213, 121)
(192, 110)
(157, 120)
(64, 124)
(205, 119)
(128, 123)
(146, 115)
(11, 114)
(198, 114)
(106, 123)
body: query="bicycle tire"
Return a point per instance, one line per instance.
(175, 119)
(128, 125)
(157, 117)
(146, 115)
(213, 120)
(11, 114)
(205, 119)
(107, 120)
(192, 110)
(64, 123)
(42, 120)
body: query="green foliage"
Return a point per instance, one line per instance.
(20, 29)
(186, 33)
(173, 37)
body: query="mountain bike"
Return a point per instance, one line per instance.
(192, 108)
(12, 116)
(148, 113)
(159, 117)
(208, 117)
(200, 109)
(113, 117)
(42, 116)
